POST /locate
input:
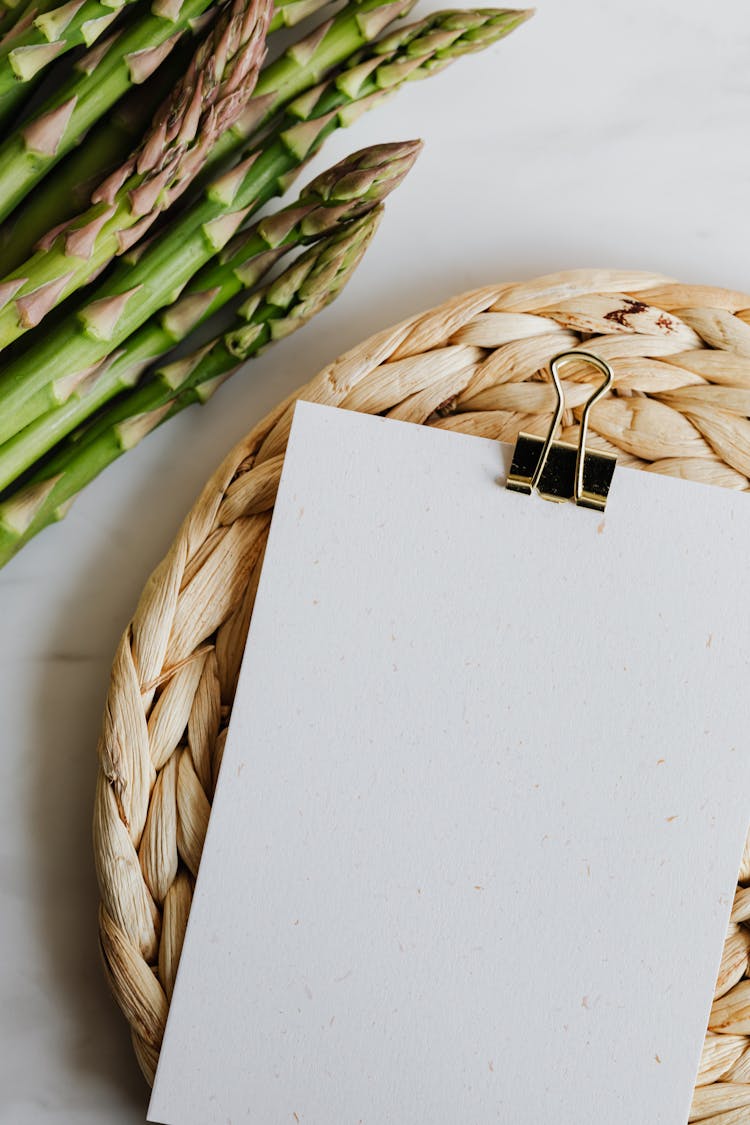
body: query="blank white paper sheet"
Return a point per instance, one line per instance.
(482, 805)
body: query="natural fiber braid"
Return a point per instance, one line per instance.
(681, 406)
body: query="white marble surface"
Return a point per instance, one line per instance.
(600, 134)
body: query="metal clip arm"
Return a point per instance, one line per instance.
(557, 470)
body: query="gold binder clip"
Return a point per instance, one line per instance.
(557, 470)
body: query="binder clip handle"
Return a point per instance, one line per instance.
(557, 470)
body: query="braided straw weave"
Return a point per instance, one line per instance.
(680, 405)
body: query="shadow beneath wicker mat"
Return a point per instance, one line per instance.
(94, 1050)
(96, 1053)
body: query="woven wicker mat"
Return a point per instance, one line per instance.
(681, 405)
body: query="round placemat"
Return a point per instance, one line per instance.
(680, 405)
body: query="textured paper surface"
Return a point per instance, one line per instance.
(474, 845)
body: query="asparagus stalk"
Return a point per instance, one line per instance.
(218, 83)
(97, 82)
(60, 197)
(31, 385)
(15, 12)
(346, 190)
(40, 38)
(354, 186)
(288, 303)
(59, 268)
(10, 14)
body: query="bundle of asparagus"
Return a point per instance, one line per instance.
(348, 190)
(87, 385)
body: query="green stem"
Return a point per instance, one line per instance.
(345, 192)
(52, 274)
(25, 56)
(29, 154)
(311, 284)
(60, 197)
(134, 292)
(97, 82)
(13, 16)
(9, 16)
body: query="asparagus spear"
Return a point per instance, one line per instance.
(349, 189)
(60, 197)
(15, 12)
(59, 268)
(10, 14)
(31, 385)
(99, 80)
(96, 82)
(40, 38)
(338, 195)
(307, 287)
(218, 83)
